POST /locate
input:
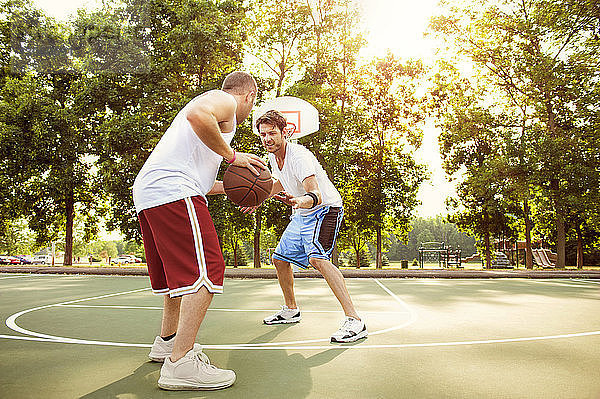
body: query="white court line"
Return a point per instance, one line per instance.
(320, 347)
(222, 309)
(279, 346)
(590, 281)
(11, 323)
(17, 337)
(567, 284)
(411, 320)
(7, 277)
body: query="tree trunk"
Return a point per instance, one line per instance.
(486, 238)
(579, 246)
(258, 218)
(560, 226)
(528, 251)
(235, 253)
(357, 259)
(70, 214)
(560, 240)
(378, 260)
(488, 258)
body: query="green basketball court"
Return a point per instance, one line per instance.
(88, 336)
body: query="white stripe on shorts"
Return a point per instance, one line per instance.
(199, 248)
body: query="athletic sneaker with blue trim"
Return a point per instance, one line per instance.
(351, 330)
(162, 349)
(284, 316)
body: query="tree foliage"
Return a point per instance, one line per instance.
(535, 60)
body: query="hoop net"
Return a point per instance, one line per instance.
(289, 130)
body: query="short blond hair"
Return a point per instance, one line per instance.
(239, 82)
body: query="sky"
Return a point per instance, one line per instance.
(394, 25)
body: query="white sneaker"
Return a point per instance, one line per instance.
(193, 372)
(350, 331)
(162, 349)
(284, 316)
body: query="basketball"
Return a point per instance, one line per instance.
(244, 188)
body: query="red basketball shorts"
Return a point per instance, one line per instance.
(182, 248)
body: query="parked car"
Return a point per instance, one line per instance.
(24, 259)
(122, 260)
(41, 259)
(134, 258)
(9, 260)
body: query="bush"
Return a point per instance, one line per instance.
(365, 259)
(228, 257)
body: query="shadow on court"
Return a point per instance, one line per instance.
(467, 339)
(275, 373)
(269, 373)
(140, 384)
(447, 293)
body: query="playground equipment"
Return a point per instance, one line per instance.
(501, 261)
(445, 256)
(544, 257)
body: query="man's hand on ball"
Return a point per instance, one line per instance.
(249, 161)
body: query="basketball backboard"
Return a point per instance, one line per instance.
(302, 117)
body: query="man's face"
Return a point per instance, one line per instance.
(270, 137)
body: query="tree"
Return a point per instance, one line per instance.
(186, 48)
(278, 28)
(472, 142)
(44, 139)
(537, 53)
(330, 51)
(231, 224)
(386, 91)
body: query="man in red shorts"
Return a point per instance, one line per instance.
(184, 258)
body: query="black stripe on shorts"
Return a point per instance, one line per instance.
(329, 228)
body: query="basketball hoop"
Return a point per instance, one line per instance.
(289, 130)
(302, 118)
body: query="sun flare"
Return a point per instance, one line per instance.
(398, 26)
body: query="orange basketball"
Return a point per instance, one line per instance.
(245, 188)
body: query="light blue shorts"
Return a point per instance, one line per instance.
(311, 236)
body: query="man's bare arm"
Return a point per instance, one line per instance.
(217, 188)
(311, 185)
(206, 113)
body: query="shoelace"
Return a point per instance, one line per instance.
(284, 309)
(204, 359)
(346, 325)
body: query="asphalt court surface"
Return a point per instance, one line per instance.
(88, 336)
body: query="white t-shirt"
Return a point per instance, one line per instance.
(300, 163)
(180, 166)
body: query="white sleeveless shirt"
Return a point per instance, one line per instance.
(180, 166)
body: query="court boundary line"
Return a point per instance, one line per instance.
(10, 277)
(35, 336)
(11, 323)
(224, 309)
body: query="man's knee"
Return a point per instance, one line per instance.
(322, 265)
(279, 264)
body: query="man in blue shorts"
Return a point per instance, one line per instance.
(310, 236)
